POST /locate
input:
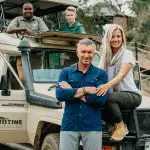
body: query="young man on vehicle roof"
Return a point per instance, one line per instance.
(71, 25)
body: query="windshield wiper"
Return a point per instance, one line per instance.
(51, 87)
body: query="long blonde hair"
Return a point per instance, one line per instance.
(107, 53)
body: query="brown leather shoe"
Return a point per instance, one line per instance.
(120, 132)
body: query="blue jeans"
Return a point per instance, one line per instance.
(70, 140)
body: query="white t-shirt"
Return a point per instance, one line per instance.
(127, 84)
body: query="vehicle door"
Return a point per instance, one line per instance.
(13, 105)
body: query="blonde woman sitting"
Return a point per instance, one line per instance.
(123, 93)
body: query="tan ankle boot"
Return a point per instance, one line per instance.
(120, 132)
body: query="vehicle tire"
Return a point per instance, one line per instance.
(51, 142)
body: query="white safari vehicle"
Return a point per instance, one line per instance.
(29, 110)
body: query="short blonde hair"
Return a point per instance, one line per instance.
(70, 9)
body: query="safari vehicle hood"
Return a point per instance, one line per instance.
(13, 8)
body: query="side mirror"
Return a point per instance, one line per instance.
(4, 86)
(4, 83)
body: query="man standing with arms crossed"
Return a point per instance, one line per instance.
(26, 24)
(77, 86)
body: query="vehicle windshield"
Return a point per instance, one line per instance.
(46, 66)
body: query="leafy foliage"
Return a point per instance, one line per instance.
(140, 30)
(93, 18)
(138, 6)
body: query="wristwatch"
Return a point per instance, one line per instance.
(84, 91)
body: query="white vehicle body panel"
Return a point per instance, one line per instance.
(37, 114)
(13, 117)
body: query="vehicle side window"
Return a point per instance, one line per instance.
(47, 66)
(7, 75)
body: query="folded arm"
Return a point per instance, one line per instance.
(93, 98)
(20, 30)
(64, 92)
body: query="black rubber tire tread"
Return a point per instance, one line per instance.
(51, 142)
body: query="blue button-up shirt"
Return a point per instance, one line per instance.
(79, 115)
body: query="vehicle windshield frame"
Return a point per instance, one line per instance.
(50, 51)
(62, 52)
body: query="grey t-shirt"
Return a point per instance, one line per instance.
(127, 84)
(36, 24)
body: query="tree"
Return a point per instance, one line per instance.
(93, 18)
(140, 6)
(141, 28)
